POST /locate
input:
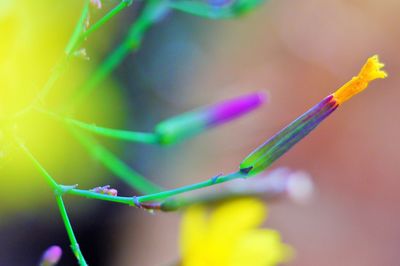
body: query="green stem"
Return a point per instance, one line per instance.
(132, 136)
(115, 11)
(53, 184)
(129, 44)
(95, 195)
(62, 64)
(115, 165)
(108, 159)
(169, 193)
(74, 243)
(78, 31)
(58, 190)
(173, 205)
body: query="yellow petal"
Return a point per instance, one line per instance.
(260, 248)
(238, 215)
(193, 228)
(369, 72)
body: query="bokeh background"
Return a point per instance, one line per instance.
(298, 51)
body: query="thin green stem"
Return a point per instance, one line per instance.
(74, 243)
(126, 135)
(169, 193)
(129, 44)
(53, 184)
(62, 64)
(78, 31)
(155, 196)
(108, 159)
(115, 165)
(132, 136)
(95, 195)
(165, 205)
(106, 18)
(58, 190)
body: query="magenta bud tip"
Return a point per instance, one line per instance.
(51, 256)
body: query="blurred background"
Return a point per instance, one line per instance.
(297, 51)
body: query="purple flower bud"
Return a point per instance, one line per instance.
(51, 256)
(188, 124)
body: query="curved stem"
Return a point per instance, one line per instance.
(126, 135)
(132, 136)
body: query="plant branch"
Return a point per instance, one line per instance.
(107, 17)
(114, 164)
(78, 31)
(129, 44)
(95, 195)
(210, 182)
(62, 64)
(58, 190)
(53, 184)
(132, 136)
(74, 243)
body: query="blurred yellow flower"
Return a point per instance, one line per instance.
(229, 236)
(33, 37)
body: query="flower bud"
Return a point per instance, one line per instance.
(262, 157)
(188, 124)
(51, 256)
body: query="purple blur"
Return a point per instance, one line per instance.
(51, 256)
(231, 109)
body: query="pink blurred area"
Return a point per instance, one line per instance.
(301, 51)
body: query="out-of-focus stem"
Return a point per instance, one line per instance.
(53, 184)
(133, 136)
(107, 158)
(62, 64)
(115, 165)
(106, 18)
(78, 31)
(131, 43)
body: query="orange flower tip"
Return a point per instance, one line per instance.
(371, 70)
